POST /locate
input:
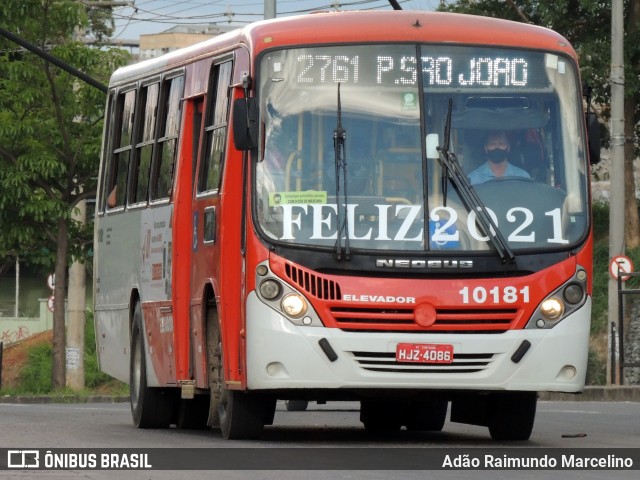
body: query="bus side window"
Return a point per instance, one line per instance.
(108, 141)
(119, 164)
(215, 133)
(164, 159)
(145, 137)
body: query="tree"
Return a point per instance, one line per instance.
(50, 130)
(587, 25)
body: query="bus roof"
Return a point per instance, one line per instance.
(361, 27)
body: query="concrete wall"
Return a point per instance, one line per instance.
(13, 329)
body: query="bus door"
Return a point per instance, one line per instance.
(206, 239)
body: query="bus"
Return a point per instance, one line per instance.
(292, 211)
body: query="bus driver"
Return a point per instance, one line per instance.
(496, 149)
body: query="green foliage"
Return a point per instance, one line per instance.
(50, 125)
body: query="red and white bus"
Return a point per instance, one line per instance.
(290, 211)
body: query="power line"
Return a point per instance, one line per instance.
(189, 12)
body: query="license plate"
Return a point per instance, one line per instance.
(424, 353)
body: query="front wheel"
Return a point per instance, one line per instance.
(242, 415)
(238, 414)
(511, 415)
(426, 415)
(381, 416)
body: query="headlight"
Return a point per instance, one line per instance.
(294, 305)
(270, 289)
(552, 308)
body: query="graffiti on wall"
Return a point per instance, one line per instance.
(11, 336)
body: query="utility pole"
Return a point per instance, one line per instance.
(616, 204)
(76, 314)
(17, 309)
(269, 9)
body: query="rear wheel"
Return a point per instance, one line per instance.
(151, 407)
(511, 415)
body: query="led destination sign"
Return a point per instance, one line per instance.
(456, 67)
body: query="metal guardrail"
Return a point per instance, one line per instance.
(620, 333)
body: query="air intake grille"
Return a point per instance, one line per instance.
(403, 319)
(313, 284)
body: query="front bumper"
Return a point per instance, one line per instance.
(281, 355)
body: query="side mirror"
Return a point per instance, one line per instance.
(593, 132)
(245, 123)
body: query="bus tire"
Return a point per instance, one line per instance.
(381, 416)
(238, 414)
(426, 415)
(151, 407)
(193, 413)
(242, 415)
(511, 415)
(214, 363)
(296, 405)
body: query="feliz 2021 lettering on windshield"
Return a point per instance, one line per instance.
(406, 223)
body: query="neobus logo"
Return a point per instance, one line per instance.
(436, 264)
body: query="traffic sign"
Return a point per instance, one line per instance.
(51, 281)
(50, 303)
(621, 264)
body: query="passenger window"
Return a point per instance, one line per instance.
(145, 142)
(216, 128)
(164, 162)
(121, 155)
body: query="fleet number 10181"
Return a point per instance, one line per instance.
(495, 295)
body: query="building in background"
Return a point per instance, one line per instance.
(157, 44)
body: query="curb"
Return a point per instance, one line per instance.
(42, 399)
(596, 394)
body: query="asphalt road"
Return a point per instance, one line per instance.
(559, 425)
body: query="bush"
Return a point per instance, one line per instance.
(35, 376)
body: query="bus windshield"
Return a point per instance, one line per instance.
(516, 133)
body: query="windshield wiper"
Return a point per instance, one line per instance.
(339, 140)
(472, 202)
